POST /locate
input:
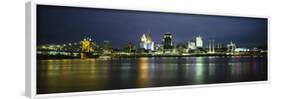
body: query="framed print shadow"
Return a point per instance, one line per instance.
(91, 49)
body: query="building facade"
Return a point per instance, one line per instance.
(147, 42)
(231, 47)
(199, 42)
(167, 41)
(191, 45)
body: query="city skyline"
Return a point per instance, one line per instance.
(123, 27)
(89, 49)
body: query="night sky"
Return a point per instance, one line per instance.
(59, 25)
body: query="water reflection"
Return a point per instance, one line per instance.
(211, 67)
(70, 75)
(125, 71)
(199, 69)
(143, 72)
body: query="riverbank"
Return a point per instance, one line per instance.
(43, 57)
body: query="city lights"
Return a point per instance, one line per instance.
(88, 48)
(92, 49)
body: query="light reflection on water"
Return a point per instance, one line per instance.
(70, 75)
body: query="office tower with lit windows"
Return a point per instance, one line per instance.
(146, 42)
(199, 42)
(191, 45)
(167, 41)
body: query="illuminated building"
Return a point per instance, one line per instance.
(159, 47)
(146, 42)
(129, 48)
(106, 47)
(231, 47)
(199, 42)
(211, 46)
(191, 45)
(242, 50)
(167, 41)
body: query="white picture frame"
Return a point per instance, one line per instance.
(30, 89)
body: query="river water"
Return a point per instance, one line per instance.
(75, 75)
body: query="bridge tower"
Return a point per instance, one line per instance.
(87, 48)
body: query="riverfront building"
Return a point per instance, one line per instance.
(146, 42)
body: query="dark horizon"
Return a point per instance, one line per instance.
(58, 25)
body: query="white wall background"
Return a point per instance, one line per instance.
(12, 48)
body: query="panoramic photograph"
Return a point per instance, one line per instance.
(94, 49)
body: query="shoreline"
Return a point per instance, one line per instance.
(46, 57)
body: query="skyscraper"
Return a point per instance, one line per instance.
(211, 46)
(199, 42)
(191, 45)
(167, 41)
(146, 42)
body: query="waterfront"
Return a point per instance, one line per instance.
(75, 75)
